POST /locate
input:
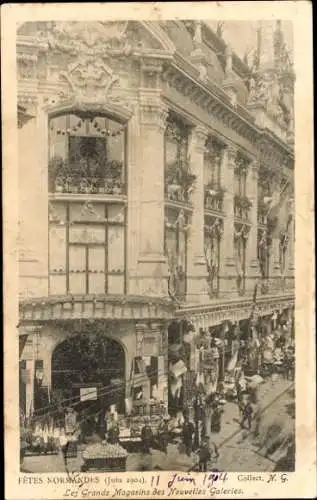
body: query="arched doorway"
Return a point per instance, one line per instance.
(88, 373)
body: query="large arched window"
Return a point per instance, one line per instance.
(87, 154)
(87, 212)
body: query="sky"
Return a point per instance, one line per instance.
(242, 35)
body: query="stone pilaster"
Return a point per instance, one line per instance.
(252, 263)
(196, 264)
(133, 208)
(152, 269)
(227, 264)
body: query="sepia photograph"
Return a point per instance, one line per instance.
(156, 245)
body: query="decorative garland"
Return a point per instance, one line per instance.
(180, 222)
(216, 227)
(243, 233)
(74, 129)
(176, 131)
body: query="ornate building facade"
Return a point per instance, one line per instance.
(151, 154)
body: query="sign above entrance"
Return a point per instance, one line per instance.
(88, 393)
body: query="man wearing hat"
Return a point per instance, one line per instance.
(188, 431)
(163, 432)
(146, 436)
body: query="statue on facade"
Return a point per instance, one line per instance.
(228, 68)
(252, 90)
(197, 38)
(219, 29)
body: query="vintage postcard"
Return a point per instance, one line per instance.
(158, 250)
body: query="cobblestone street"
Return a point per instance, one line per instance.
(237, 452)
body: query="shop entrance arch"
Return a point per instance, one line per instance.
(88, 373)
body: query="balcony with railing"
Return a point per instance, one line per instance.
(86, 177)
(179, 183)
(214, 195)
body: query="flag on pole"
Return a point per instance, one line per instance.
(279, 215)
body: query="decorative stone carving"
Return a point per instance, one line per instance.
(90, 77)
(85, 45)
(28, 101)
(228, 69)
(219, 29)
(153, 114)
(89, 39)
(259, 89)
(26, 66)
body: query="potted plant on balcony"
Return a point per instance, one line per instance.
(57, 169)
(242, 203)
(179, 181)
(59, 184)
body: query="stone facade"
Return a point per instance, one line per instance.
(136, 74)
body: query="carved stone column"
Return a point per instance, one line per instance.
(152, 262)
(197, 289)
(252, 263)
(227, 264)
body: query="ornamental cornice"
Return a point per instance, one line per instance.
(268, 140)
(183, 78)
(94, 307)
(227, 309)
(217, 103)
